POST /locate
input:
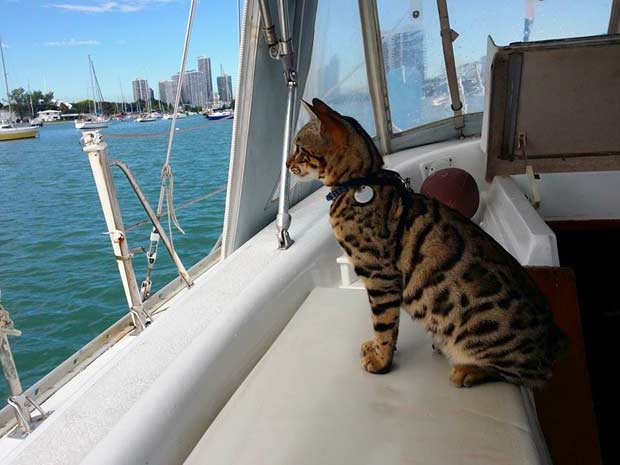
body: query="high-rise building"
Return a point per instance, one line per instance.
(204, 66)
(403, 55)
(167, 90)
(141, 89)
(184, 89)
(224, 88)
(197, 88)
(193, 90)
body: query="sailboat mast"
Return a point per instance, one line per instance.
(6, 79)
(97, 90)
(92, 84)
(124, 106)
(31, 105)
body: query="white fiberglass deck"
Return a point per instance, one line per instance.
(309, 401)
(153, 397)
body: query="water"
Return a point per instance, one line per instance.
(58, 277)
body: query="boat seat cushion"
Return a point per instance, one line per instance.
(308, 401)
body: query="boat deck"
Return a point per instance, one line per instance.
(308, 401)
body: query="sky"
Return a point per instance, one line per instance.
(48, 42)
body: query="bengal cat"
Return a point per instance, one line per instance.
(478, 303)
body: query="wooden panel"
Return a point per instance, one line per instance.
(568, 103)
(564, 406)
(561, 95)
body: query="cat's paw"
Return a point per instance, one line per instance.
(376, 359)
(368, 347)
(470, 375)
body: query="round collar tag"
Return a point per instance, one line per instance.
(364, 194)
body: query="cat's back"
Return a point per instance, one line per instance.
(476, 299)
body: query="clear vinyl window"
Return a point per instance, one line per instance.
(412, 51)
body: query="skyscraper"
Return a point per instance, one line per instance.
(140, 89)
(196, 87)
(193, 90)
(224, 88)
(184, 89)
(204, 66)
(167, 91)
(403, 55)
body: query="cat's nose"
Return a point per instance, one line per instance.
(290, 160)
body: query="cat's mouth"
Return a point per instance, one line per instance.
(303, 177)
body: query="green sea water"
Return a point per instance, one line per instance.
(58, 276)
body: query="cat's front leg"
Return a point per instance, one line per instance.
(385, 299)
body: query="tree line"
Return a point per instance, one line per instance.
(26, 104)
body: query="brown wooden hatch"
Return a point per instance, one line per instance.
(555, 105)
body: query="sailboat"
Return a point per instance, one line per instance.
(96, 120)
(254, 359)
(8, 129)
(149, 116)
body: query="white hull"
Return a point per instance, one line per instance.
(170, 116)
(91, 124)
(148, 119)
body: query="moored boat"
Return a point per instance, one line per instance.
(96, 120)
(219, 114)
(146, 118)
(11, 132)
(92, 123)
(8, 129)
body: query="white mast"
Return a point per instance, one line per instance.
(6, 79)
(30, 95)
(92, 84)
(124, 106)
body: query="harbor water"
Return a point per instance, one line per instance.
(58, 276)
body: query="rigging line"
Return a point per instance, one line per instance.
(6, 79)
(184, 205)
(188, 35)
(166, 172)
(170, 204)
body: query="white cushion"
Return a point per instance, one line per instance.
(308, 401)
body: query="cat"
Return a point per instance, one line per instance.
(480, 306)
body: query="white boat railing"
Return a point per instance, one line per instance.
(96, 148)
(18, 400)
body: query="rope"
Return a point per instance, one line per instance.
(167, 181)
(184, 205)
(170, 206)
(188, 35)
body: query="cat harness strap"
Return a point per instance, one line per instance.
(380, 178)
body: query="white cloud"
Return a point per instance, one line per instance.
(123, 6)
(71, 43)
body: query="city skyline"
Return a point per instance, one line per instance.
(196, 90)
(145, 42)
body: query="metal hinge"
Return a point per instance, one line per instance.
(532, 177)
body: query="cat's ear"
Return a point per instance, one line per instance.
(321, 107)
(306, 106)
(331, 123)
